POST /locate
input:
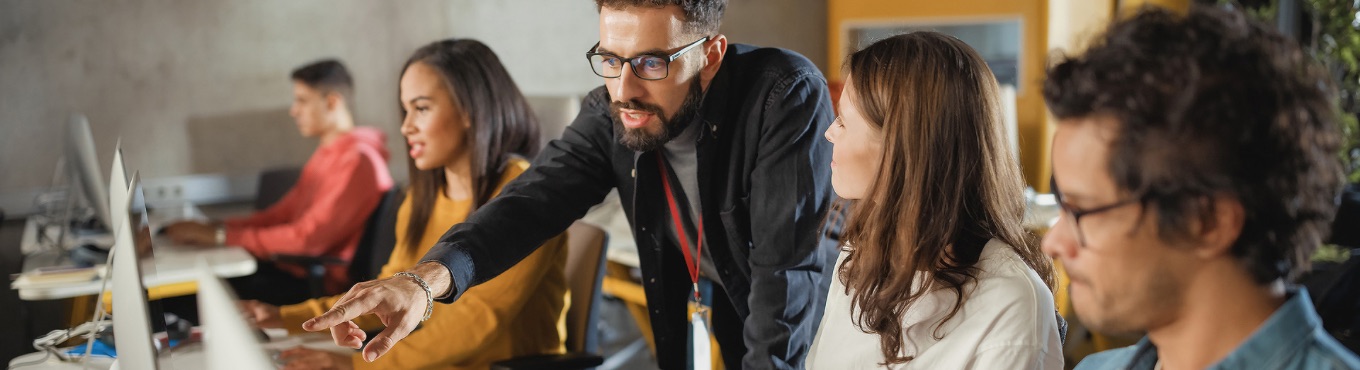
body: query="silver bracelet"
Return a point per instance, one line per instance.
(429, 295)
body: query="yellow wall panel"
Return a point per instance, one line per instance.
(1033, 15)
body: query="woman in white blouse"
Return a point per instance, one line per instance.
(936, 271)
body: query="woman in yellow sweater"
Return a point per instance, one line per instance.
(466, 141)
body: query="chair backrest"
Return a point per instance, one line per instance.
(585, 272)
(1344, 230)
(378, 239)
(274, 183)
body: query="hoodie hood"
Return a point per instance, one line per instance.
(362, 138)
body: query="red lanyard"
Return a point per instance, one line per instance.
(680, 229)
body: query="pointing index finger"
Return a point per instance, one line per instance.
(343, 311)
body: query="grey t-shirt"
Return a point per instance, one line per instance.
(683, 160)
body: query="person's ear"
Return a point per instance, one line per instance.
(333, 101)
(1219, 230)
(714, 50)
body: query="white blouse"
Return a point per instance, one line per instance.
(1007, 322)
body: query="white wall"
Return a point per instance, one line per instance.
(202, 86)
(798, 25)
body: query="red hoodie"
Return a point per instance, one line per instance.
(324, 213)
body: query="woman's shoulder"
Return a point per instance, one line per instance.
(513, 167)
(1010, 303)
(1005, 279)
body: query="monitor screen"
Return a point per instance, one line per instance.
(84, 166)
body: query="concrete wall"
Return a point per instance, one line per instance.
(545, 53)
(171, 77)
(202, 87)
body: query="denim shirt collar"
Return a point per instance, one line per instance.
(1283, 334)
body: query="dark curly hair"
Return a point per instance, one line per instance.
(702, 17)
(1213, 103)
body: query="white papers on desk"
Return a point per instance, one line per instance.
(57, 276)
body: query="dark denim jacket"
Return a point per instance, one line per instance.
(765, 185)
(1292, 338)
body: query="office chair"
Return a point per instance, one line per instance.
(585, 272)
(375, 246)
(1335, 287)
(274, 184)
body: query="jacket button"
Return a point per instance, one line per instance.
(633, 173)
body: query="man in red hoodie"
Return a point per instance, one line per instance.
(324, 213)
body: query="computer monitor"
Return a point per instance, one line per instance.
(229, 342)
(118, 186)
(131, 313)
(135, 318)
(84, 167)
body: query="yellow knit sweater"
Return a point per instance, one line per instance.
(520, 312)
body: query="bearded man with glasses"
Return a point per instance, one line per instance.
(715, 149)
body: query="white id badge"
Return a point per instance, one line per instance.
(701, 351)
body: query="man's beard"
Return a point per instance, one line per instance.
(638, 139)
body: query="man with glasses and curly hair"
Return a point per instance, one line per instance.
(715, 149)
(1195, 160)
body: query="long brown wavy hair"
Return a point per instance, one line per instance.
(946, 175)
(502, 124)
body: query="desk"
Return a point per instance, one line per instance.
(191, 356)
(36, 234)
(175, 264)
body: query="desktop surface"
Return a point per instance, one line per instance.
(173, 264)
(191, 355)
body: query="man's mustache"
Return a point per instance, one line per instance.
(634, 105)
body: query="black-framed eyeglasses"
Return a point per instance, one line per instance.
(647, 66)
(1076, 214)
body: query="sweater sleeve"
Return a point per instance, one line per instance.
(342, 204)
(457, 332)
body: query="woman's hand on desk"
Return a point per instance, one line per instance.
(263, 315)
(302, 358)
(398, 301)
(191, 233)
